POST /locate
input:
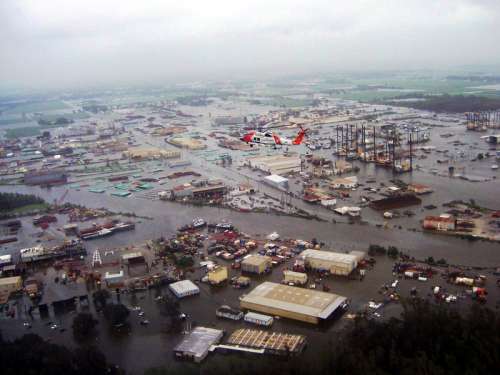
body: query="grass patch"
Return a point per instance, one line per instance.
(29, 131)
(27, 208)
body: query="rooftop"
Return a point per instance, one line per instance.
(10, 280)
(256, 260)
(277, 179)
(298, 300)
(199, 341)
(329, 256)
(183, 286)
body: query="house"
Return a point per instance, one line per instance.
(344, 183)
(440, 223)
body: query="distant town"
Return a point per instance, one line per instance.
(134, 216)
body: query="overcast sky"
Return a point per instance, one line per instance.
(51, 43)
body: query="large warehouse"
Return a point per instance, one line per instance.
(335, 263)
(276, 164)
(306, 305)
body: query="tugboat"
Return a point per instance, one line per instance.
(199, 223)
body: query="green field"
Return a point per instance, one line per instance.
(37, 107)
(29, 131)
(12, 121)
(28, 208)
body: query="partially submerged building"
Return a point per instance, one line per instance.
(334, 263)
(276, 164)
(276, 181)
(184, 288)
(258, 264)
(291, 302)
(440, 223)
(196, 345)
(9, 285)
(46, 177)
(270, 342)
(218, 275)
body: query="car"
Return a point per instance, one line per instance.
(141, 313)
(27, 324)
(54, 326)
(144, 322)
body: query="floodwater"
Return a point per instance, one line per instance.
(151, 346)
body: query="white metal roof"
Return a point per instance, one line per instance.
(276, 178)
(199, 341)
(183, 287)
(256, 316)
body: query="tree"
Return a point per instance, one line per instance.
(101, 298)
(83, 326)
(30, 354)
(393, 252)
(116, 314)
(376, 250)
(169, 308)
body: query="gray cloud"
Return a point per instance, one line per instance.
(54, 43)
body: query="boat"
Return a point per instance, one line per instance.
(224, 225)
(100, 233)
(39, 253)
(199, 223)
(120, 227)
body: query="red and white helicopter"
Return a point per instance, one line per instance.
(269, 138)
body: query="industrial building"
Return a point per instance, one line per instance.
(441, 223)
(276, 181)
(184, 288)
(185, 142)
(344, 183)
(276, 164)
(229, 120)
(271, 342)
(291, 302)
(46, 177)
(9, 285)
(335, 263)
(209, 192)
(145, 153)
(258, 264)
(196, 345)
(114, 279)
(296, 278)
(218, 275)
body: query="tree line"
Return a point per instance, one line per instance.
(11, 201)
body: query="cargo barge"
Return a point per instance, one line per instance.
(40, 253)
(396, 201)
(7, 240)
(98, 231)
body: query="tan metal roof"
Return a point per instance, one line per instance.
(298, 300)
